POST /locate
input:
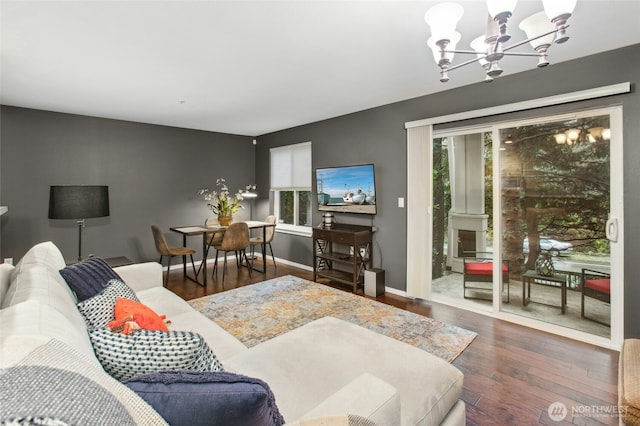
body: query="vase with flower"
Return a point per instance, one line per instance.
(221, 202)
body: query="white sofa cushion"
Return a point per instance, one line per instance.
(164, 302)
(29, 324)
(335, 352)
(42, 254)
(141, 276)
(366, 396)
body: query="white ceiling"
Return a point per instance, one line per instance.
(253, 67)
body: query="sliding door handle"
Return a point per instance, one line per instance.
(611, 229)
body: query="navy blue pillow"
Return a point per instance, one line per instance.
(89, 277)
(208, 398)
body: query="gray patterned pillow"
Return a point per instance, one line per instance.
(55, 385)
(145, 351)
(98, 310)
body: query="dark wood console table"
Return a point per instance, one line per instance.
(342, 253)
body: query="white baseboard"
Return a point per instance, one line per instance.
(390, 290)
(396, 292)
(210, 261)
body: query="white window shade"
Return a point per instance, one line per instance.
(291, 167)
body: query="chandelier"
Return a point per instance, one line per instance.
(542, 29)
(574, 136)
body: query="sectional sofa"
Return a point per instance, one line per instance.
(328, 367)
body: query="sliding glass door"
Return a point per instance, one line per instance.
(555, 196)
(527, 222)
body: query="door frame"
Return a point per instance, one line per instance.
(420, 136)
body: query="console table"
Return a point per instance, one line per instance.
(342, 253)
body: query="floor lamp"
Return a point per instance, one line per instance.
(251, 194)
(78, 202)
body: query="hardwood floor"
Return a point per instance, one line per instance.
(511, 373)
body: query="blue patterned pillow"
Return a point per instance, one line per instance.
(203, 398)
(145, 351)
(98, 310)
(89, 277)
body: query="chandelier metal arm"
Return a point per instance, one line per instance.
(507, 48)
(470, 52)
(497, 50)
(462, 64)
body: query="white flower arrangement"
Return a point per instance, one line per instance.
(221, 202)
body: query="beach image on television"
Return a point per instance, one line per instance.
(348, 189)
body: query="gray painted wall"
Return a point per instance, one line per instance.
(378, 136)
(153, 173)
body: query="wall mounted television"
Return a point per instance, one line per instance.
(347, 189)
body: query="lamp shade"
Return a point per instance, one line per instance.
(443, 18)
(557, 8)
(536, 25)
(497, 7)
(78, 201)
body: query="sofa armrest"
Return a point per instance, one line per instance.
(367, 396)
(628, 379)
(141, 276)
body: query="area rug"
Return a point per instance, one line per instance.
(262, 311)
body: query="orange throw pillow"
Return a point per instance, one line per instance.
(127, 311)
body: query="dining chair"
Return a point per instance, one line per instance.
(165, 250)
(217, 236)
(269, 232)
(597, 285)
(236, 239)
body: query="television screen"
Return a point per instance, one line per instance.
(347, 189)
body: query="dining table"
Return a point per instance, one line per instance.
(206, 231)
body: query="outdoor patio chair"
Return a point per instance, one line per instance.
(477, 268)
(597, 285)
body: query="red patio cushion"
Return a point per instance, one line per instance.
(481, 268)
(602, 285)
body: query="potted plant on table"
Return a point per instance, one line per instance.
(221, 202)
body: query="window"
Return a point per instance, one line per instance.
(291, 186)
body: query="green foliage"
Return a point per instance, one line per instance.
(564, 188)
